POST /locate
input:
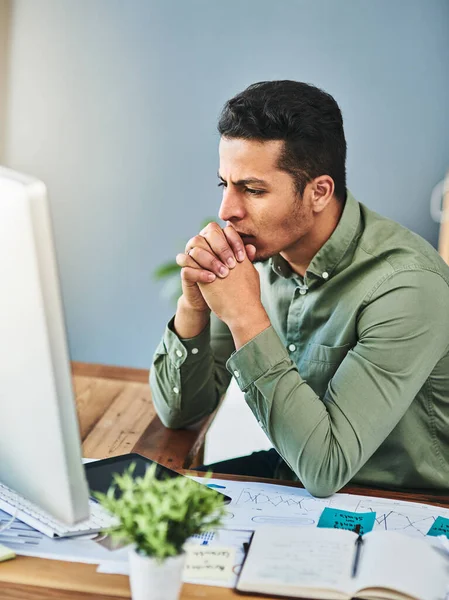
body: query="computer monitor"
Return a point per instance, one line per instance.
(40, 448)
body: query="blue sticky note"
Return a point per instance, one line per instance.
(344, 519)
(440, 527)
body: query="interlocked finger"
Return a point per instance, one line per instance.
(185, 260)
(191, 271)
(219, 244)
(198, 241)
(208, 260)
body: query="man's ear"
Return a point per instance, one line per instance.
(321, 192)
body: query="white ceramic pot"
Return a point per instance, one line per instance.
(151, 580)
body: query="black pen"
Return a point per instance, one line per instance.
(246, 544)
(358, 548)
(246, 547)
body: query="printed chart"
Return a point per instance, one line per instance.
(259, 504)
(404, 517)
(281, 508)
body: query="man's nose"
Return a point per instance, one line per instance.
(232, 207)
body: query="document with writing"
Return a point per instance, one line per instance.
(318, 563)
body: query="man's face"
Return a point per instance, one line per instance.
(259, 199)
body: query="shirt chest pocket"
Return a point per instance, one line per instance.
(319, 364)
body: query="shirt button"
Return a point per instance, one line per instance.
(176, 390)
(325, 275)
(179, 353)
(236, 373)
(260, 423)
(292, 347)
(194, 350)
(302, 291)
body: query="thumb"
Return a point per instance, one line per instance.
(250, 252)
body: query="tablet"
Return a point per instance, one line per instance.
(100, 473)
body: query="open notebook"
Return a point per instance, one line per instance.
(317, 563)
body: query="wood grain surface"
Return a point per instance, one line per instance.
(117, 416)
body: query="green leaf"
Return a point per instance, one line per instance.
(159, 515)
(166, 270)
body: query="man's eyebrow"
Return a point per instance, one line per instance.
(248, 181)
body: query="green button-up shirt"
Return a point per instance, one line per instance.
(351, 381)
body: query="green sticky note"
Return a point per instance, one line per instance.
(344, 519)
(440, 527)
(6, 553)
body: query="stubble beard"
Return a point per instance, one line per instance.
(260, 258)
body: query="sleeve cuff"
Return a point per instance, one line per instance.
(181, 351)
(256, 358)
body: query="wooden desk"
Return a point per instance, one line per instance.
(117, 416)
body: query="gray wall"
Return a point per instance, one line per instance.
(114, 104)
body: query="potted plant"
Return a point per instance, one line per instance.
(157, 517)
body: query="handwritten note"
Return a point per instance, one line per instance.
(209, 562)
(344, 519)
(300, 556)
(440, 527)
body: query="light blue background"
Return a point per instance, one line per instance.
(114, 104)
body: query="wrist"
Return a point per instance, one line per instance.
(190, 322)
(245, 327)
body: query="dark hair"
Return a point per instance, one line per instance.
(306, 118)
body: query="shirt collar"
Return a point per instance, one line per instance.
(328, 257)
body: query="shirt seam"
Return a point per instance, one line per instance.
(435, 443)
(387, 276)
(410, 266)
(237, 355)
(323, 362)
(254, 380)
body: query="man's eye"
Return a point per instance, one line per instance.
(222, 184)
(254, 192)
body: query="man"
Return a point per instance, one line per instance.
(338, 336)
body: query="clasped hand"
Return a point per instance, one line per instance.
(217, 274)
